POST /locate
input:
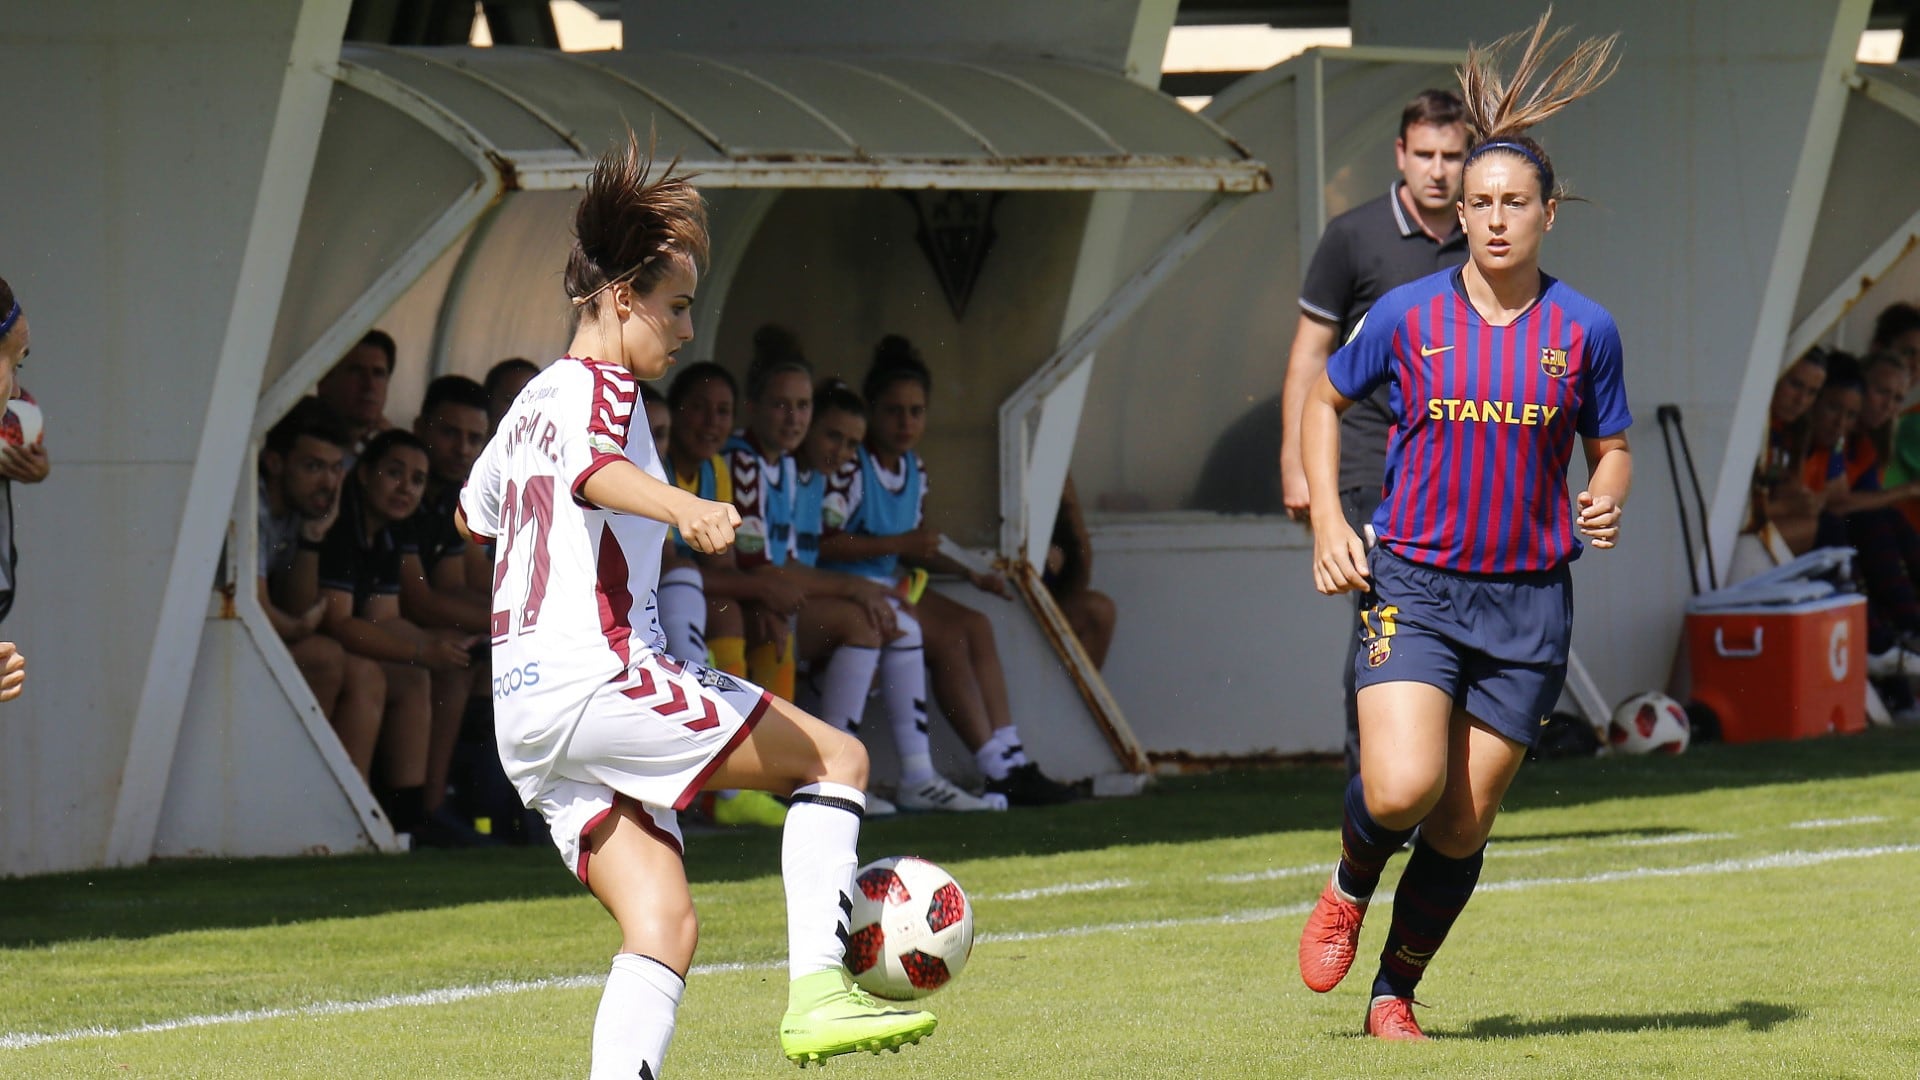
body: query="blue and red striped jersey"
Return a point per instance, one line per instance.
(1484, 420)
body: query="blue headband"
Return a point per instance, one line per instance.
(1546, 174)
(6, 324)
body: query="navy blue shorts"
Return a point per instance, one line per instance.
(1497, 644)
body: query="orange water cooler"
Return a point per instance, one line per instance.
(1782, 671)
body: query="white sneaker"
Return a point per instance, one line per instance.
(879, 807)
(1895, 661)
(939, 793)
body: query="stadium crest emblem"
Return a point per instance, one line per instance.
(1379, 650)
(1553, 361)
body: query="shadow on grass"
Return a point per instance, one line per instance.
(175, 896)
(1756, 1015)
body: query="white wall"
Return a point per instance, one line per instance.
(131, 197)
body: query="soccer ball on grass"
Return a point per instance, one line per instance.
(912, 928)
(1649, 723)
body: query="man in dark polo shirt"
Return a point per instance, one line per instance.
(1408, 233)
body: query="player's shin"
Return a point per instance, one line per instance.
(817, 859)
(1426, 902)
(636, 1018)
(844, 685)
(1365, 845)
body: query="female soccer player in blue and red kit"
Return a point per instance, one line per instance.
(1492, 370)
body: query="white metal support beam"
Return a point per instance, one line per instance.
(288, 166)
(1019, 412)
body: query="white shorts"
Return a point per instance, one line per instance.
(652, 736)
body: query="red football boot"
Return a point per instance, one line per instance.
(1392, 1018)
(1329, 940)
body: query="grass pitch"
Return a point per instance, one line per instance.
(1737, 912)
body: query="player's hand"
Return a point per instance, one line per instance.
(1599, 518)
(311, 619)
(316, 529)
(708, 526)
(991, 582)
(780, 596)
(873, 600)
(446, 654)
(768, 626)
(1293, 490)
(920, 545)
(13, 671)
(29, 465)
(1339, 559)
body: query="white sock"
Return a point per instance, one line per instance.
(1000, 754)
(844, 685)
(635, 1021)
(683, 613)
(817, 861)
(903, 690)
(1016, 752)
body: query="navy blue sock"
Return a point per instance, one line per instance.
(1365, 845)
(1427, 900)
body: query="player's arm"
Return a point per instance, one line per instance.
(1339, 555)
(1313, 341)
(1610, 475)
(290, 628)
(383, 635)
(624, 487)
(426, 603)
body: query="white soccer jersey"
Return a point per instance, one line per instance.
(574, 586)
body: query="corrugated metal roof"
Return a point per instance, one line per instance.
(791, 120)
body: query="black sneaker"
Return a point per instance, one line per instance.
(1026, 785)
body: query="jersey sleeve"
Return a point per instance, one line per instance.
(1365, 362)
(1328, 288)
(480, 496)
(841, 503)
(593, 422)
(1603, 409)
(750, 498)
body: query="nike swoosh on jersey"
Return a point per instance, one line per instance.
(1426, 351)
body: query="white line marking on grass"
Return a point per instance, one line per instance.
(1777, 861)
(450, 995)
(1102, 885)
(1836, 822)
(1274, 874)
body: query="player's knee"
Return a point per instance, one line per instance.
(1101, 610)
(363, 679)
(845, 760)
(1403, 794)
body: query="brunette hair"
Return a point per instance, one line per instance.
(1894, 320)
(693, 376)
(895, 360)
(832, 394)
(498, 373)
(309, 418)
(1500, 109)
(775, 352)
(454, 390)
(632, 225)
(384, 444)
(1441, 108)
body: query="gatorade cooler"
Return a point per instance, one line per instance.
(1782, 671)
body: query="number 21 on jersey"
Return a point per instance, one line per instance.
(526, 510)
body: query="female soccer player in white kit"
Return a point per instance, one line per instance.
(597, 726)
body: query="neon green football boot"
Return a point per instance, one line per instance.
(828, 1015)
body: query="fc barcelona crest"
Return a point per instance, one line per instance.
(1553, 361)
(1379, 650)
